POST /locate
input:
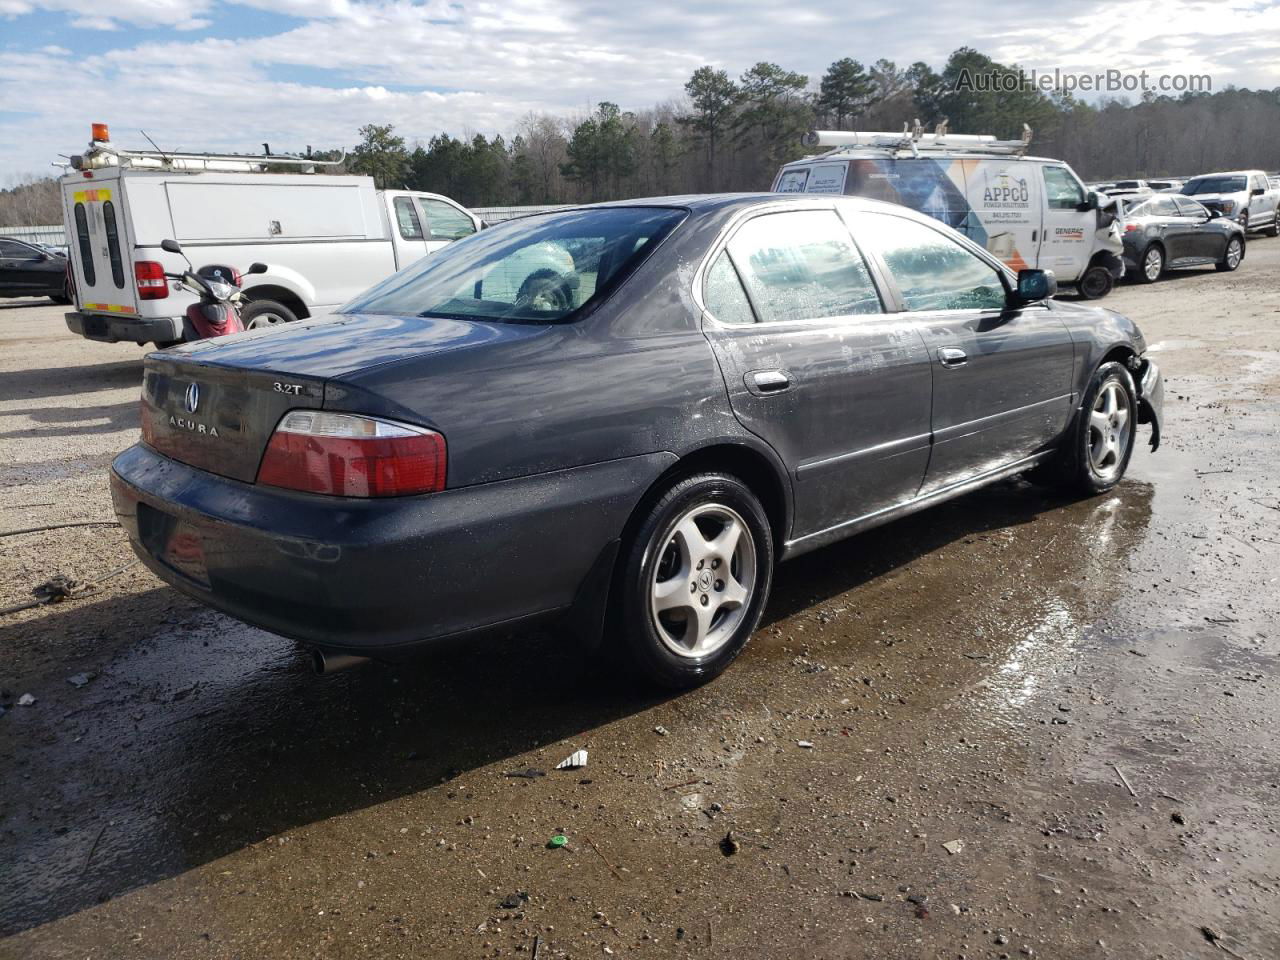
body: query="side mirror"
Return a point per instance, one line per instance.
(1257, 192)
(257, 268)
(1036, 285)
(1214, 214)
(1090, 202)
(171, 246)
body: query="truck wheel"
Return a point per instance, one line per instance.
(693, 581)
(1244, 221)
(1095, 283)
(545, 289)
(1274, 229)
(265, 313)
(1232, 256)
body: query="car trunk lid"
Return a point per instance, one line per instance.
(215, 417)
(245, 383)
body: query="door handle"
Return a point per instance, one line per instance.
(952, 357)
(762, 382)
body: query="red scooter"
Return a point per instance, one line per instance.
(217, 312)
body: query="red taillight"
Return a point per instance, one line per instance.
(350, 456)
(151, 282)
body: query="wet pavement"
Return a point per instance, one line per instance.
(1011, 726)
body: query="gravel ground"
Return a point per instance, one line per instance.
(1011, 726)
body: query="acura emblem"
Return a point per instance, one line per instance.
(193, 397)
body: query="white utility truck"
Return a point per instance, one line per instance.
(324, 238)
(1028, 211)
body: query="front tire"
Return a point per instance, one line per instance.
(1100, 441)
(265, 313)
(1231, 256)
(693, 580)
(1095, 283)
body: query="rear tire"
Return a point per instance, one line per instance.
(693, 581)
(1095, 283)
(1151, 268)
(1231, 256)
(1274, 229)
(265, 313)
(1099, 443)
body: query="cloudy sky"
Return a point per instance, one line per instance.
(230, 74)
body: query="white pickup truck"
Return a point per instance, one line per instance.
(1245, 196)
(324, 238)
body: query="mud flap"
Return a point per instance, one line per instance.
(586, 618)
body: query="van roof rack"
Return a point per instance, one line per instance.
(102, 153)
(912, 139)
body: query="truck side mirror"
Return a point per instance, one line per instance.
(257, 268)
(1257, 192)
(1090, 202)
(171, 246)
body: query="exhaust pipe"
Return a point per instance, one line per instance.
(322, 662)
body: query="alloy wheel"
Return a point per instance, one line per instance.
(1153, 263)
(704, 580)
(1110, 424)
(1233, 254)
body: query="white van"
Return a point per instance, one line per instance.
(324, 238)
(1028, 211)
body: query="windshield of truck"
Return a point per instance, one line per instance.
(1214, 185)
(540, 269)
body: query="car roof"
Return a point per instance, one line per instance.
(710, 202)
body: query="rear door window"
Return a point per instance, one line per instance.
(932, 270)
(407, 219)
(802, 265)
(723, 293)
(113, 244)
(86, 246)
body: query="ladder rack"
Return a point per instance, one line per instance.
(913, 140)
(102, 154)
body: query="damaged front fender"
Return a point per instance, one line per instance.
(1150, 396)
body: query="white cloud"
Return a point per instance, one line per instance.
(342, 63)
(94, 23)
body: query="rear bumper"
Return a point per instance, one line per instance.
(379, 576)
(116, 328)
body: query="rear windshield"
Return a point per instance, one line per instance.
(539, 269)
(1214, 185)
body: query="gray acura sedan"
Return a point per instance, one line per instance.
(624, 415)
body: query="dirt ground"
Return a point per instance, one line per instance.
(1012, 726)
